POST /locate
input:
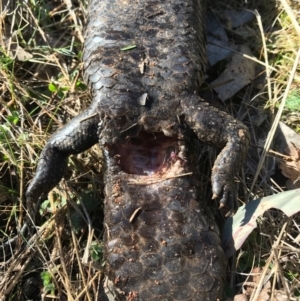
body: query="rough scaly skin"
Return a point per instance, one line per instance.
(161, 241)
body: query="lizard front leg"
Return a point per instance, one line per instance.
(221, 130)
(75, 137)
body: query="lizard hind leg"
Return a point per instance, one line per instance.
(219, 129)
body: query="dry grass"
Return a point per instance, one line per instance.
(41, 89)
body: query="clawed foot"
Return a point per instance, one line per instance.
(226, 167)
(223, 188)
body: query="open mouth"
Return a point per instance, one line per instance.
(148, 154)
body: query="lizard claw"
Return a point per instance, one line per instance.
(223, 187)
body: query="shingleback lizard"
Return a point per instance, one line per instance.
(144, 61)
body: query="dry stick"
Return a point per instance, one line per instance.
(296, 240)
(87, 249)
(262, 277)
(252, 58)
(37, 26)
(276, 185)
(30, 249)
(12, 27)
(288, 249)
(19, 274)
(51, 266)
(79, 261)
(68, 285)
(276, 120)
(69, 5)
(88, 117)
(268, 72)
(262, 158)
(136, 211)
(91, 233)
(131, 126)
(98, 286)
(56, 250)
(87, 286)
(84, 260)
(73, 84)
(150, 182)
(13, 262)
(63, 69)
(280, 272)
(107, 231)
(21, 172)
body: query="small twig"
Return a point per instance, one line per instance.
(261, 283)
(285, 157)
(84, 259)
(20, 272)
(133, 125)
(66, 280)
(268, 71)
(136, 211)
(69, 5)
(252, 58)
(280, 272)
(158, 181)
(88, 117)
(86, 287)
(36, 24)
(288, 249)
(107, 231)
(172, 187)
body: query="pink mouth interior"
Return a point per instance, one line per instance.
(147, 154)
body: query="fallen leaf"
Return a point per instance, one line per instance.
(238, 227)
(239, 72)
(15, 51)
(217, 40)
(21, 55)
(288, 143)
(239, 18)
